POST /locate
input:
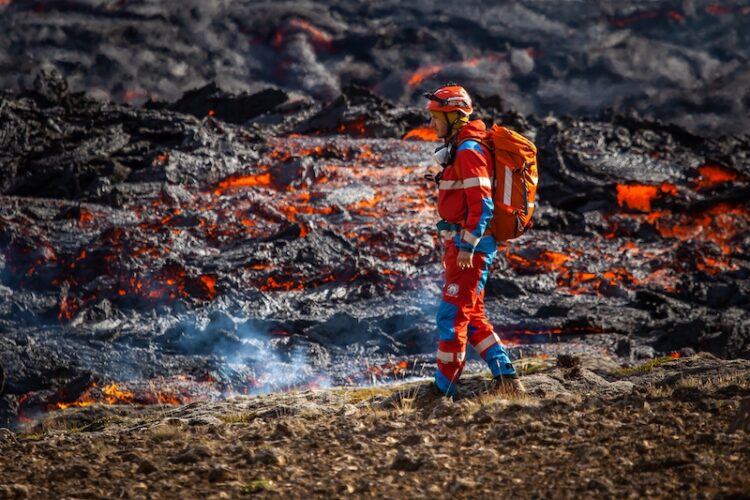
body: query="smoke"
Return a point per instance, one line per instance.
(253, 354)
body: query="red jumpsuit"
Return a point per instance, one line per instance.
(465, 205)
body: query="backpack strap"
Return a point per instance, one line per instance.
(478, 140)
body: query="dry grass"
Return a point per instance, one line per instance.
(644, 367)
(238, 418)
(659, 391)
(406, 397)
(358, 395)
(528, 366)
(491, 400)
(713, 383)
(164, 432)
(697, 383)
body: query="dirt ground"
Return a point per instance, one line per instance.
(670, 428)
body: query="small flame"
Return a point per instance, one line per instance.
(111, 394)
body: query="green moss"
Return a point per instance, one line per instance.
(643, 368)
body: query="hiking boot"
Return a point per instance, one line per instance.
(510, 386)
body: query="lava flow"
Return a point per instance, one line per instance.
(326, 232)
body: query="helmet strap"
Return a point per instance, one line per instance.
(451, 132)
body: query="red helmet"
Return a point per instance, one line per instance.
(449, 97)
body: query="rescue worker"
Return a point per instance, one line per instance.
(465, 206)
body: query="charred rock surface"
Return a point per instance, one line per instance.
(685, 62)
(221, 259)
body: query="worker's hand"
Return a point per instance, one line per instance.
(464, 260)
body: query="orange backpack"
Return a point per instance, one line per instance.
(515, 182)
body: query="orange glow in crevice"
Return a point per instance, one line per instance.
(240, 181)
(547, 261)
(640, 196)
(714, 175)
(209, 282)
(357, 127)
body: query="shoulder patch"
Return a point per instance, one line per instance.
(471, 144)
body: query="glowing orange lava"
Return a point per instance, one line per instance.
(131, 95)
(714, 175)
(68, 309)
(357, 126)
(240, 181)
(274, 284)
(210, 283)
(422, 73)
(316, 35)
(421, 134)
(85, 218)
(547, 261)
(640, 196)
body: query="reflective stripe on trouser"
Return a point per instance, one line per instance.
(461, 319)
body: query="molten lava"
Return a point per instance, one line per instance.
(209, 282)
(356, 127)
(422, 73)
(422, 134)
(298, 25)
(547, 261)
(242, 181)
(640, 196)
(714, 175)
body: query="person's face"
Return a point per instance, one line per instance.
(440, 127)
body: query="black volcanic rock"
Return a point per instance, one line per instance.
(671, 60)
(212, 101)
(359, 112)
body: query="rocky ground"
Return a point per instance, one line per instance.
(671, 427)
